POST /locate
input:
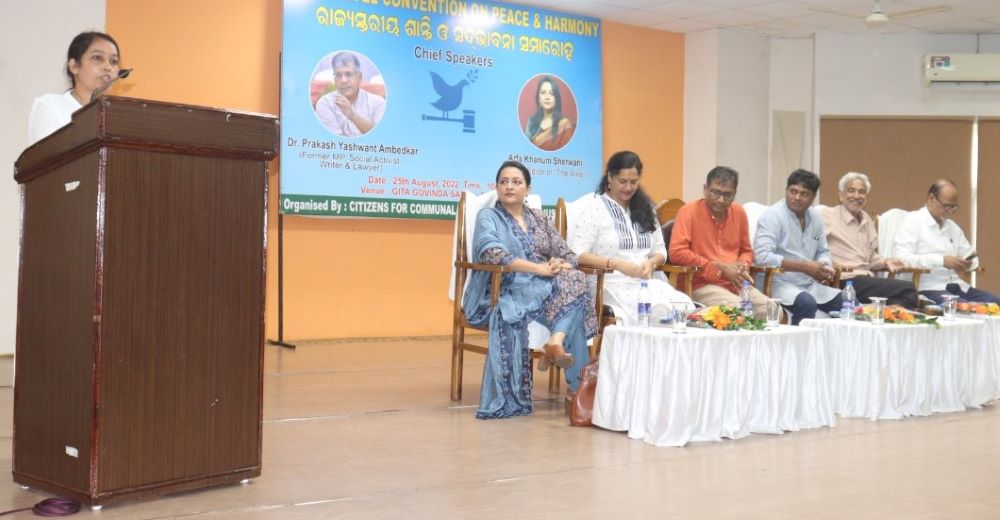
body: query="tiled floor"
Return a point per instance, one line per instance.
(366, 430)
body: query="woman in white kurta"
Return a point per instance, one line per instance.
(91, 62)
(617, 229)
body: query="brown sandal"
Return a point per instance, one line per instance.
(557, 355)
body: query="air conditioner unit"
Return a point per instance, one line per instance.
(961, 68)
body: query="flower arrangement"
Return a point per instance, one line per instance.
(986, 309)
(896, 314)
(727, 317)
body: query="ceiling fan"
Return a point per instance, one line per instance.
(878, 17)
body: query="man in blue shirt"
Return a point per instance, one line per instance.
(790, 235)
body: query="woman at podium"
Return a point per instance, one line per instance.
(91, 62)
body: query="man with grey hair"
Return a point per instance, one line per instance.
(853, 242)
(349, 110)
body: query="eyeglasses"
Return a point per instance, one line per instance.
(947, 207)
(724, 195)
(345, 75)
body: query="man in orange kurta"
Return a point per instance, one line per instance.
(713, 233)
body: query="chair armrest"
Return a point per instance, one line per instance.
(679, 269)
(766, 269)
(911, 270)
(490, 268)
(594, 270)
(838, 270)
(768, 272)
(674, 273)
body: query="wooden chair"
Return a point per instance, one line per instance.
(459, 343)
(667, 209)
(666, 212)
(565, 213)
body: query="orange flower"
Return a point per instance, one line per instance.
(721, 321)
(888, 315)
(905, 316)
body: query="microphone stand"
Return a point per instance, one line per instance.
(100, 90)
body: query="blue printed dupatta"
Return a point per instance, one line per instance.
(506, 387)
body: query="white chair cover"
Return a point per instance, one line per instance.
(754, 210)
(888, 224)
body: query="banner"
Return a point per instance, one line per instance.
(392, 108)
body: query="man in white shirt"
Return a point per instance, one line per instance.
(349, 111)
(928, 238)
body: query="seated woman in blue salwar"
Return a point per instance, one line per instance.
(544, 287)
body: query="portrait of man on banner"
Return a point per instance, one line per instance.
(348, 93)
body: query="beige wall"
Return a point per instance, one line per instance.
(372, 278)
(35, 37)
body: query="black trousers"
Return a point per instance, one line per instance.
(896, 292)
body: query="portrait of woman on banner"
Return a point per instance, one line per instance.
(552, 110)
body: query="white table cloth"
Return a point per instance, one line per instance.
(668, 389)
(992, 337)
(893, 371)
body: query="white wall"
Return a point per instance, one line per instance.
(791, 89)
(744, 65)
(734, 82)
(701, 80)
(726, 98)
(34, 36)
(882, 75)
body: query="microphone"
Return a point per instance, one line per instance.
(100, 90)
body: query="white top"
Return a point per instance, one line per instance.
(921, 242)
(367, 105)
(595, 231)
(49, 113)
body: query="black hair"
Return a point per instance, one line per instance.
(535, 121)
(639, 206)
(938, 186)
(519, 166)
(79, 46)
(805, 178)
(723, 175)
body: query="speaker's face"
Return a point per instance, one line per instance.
(97, 66)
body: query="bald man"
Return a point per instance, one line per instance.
(929, 238)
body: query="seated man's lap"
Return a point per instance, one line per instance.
(972, 295)
(717, 295)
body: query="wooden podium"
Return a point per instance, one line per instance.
(140, 319)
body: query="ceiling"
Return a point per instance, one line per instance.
(790, 18)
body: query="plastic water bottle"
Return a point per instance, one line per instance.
(645, 305)
(746, 299)
(847, 307)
